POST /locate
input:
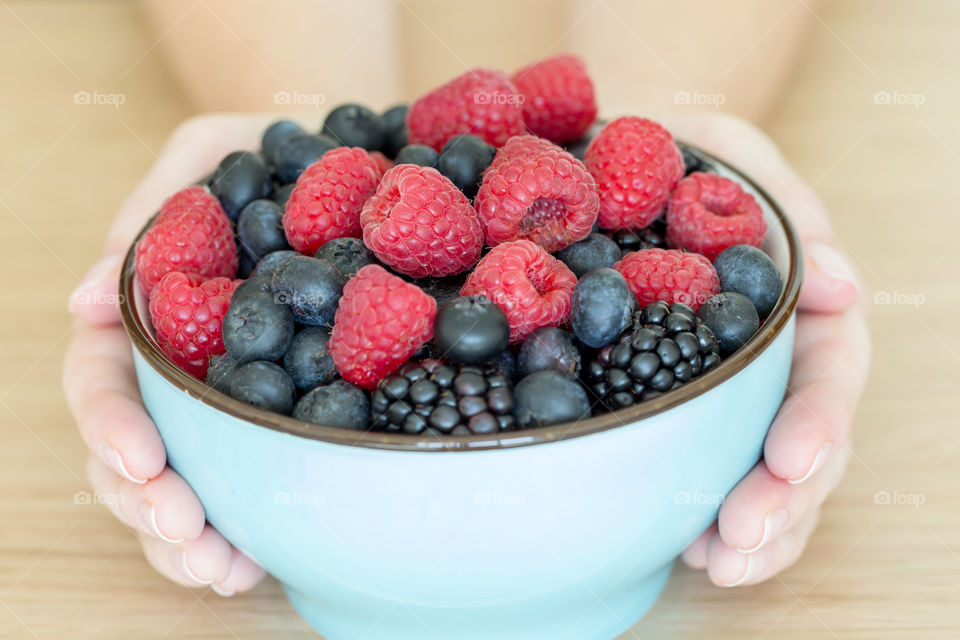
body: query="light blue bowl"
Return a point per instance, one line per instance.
(562, 532)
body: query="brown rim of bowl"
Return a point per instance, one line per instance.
(769, 330)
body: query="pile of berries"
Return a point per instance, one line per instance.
(487, 259)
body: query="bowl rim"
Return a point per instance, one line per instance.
(765, 336)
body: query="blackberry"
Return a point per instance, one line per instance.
(435, 398)
(693, 161)
(666, 347)
(653, 236)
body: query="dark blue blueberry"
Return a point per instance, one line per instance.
(275, 135)
(253, 284)
(346, 254)
(464, 159)
(749, 271)
(240, 178)
(220, 372)
(694, 161)
(419, 154)
(269, 263)
(592, 252)
(470, 329)
(260, 228)
(395, 129)
(732, 318)
(506, 363)
(265, 385)
(308, 359)
(549, 397)
(257, 328)
(310, 287)
(246, 264)
(338, 404)
(354, 125)
(298, 153)
(442, 289)
(602, 307)
(282, 194)
(549, 348)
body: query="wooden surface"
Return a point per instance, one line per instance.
(888, 172)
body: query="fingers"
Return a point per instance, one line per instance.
(203, 561)
(100, 385)
(243, 575)
(695, 555)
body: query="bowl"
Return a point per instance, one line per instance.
(568, 531)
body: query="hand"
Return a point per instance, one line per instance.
(765, 522)
(127, 457)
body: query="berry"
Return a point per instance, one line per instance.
(481, 101)
(443, 289)
(419, 224)
(187, 314)
(245, 265)
(310, 287)
(299, 152)
(327, 200)
(240, 178)
(693, 161)
(257, 328)
(380, 323)
(549, 348)
(666, 347)
(732, 318)
(419, 154)
(346, 254)
(579, 147)
(338, 404)
(220, 372)
(636, 165)
(708, 213)
(653, 236)
(264, 385)
(253, 284)
(602, 307)
(470, 330)
(592, 252)
(354, 125)
(269, 263)
(463, 160)
(395, 129)
(260, 228)
(549, 397)
(506, 363)
(532, 287)
(667, 274)
(558, 100)
(308, 359)
(282, 194)
(436, 398)
(535, 190)
(383, 162)
(275, 135)
(191, 234)
(749, 271)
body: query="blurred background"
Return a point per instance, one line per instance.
(861, 96)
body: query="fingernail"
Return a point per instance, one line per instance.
(112, 457)
(93, 278)
(220, 591)
(831, 262)
(754, 564)
(822, 454)
(185, 567)
(147, 514)
(773, 524)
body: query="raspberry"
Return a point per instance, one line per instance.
(380, 324)
(383, 162)
(187, 313)
(482, 101)
(636, 165)
(535, 190)
(420, 224)
(669, 275)
(532, 287)
(708, 213)
(191, 234)
(558, 100)
(327, 200)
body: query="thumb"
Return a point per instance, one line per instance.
(96, 300)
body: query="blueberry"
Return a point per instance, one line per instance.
(298, 153)
(694, 161)
(240, 178)
(246, 264)
(310, 287)
(346, 254)
(338, 404)
(260, 228)
(354, 125)
(269, 263)
(265, 385)
(463, 160)
(220, 372)
(395, 129)
(749, 271)
(549, 348)
(275, 135)
(549, 397)
(442, 289)
(419, 154)
(594, 251)
(506, 363)
(308, 359)
(253, 284)
(470, 329)
(257, 328)
(732, 318)
(282, 193)
(602, 307)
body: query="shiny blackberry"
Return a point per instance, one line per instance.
(694, 161)
(653, 236)
(666, 347)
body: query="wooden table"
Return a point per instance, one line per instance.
(888, 172)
